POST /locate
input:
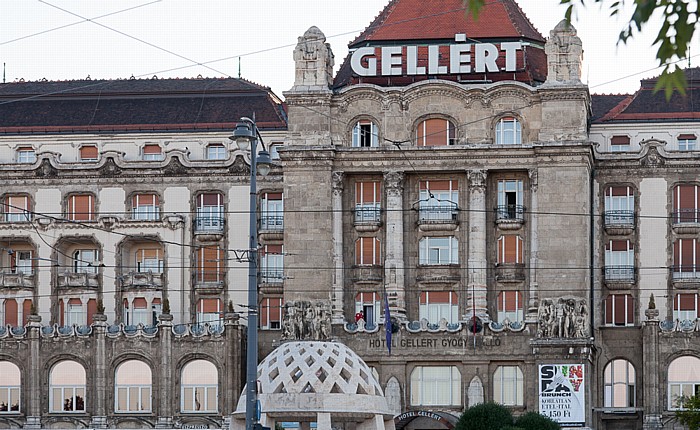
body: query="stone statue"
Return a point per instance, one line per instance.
(314, 61)
(565, 318)
(564, 55)
(304, 320)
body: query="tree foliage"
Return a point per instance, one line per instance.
(690, 414)
(680, 19)
(485, 416)
(536, 421)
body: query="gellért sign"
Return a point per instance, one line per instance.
(463, 58)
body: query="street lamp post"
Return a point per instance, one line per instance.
(246, 135)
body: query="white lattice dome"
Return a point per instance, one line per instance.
(305, 377)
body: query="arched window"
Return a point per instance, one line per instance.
(508, 386)
(67, 387)
(436, 132)
(10, 388)
(199, 387)
(436, 386)
(619, 384)
(508, 131)
(683, 380)
(365, 134)
(132, 387)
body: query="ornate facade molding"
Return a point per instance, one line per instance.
(477, 180)
(338, 183)
(394, 182)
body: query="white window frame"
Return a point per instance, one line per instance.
(13, 214)
(629, 301)
(506, 186)
(359, 132)
(430, 388)
(508, 395)
(140, 389)
(513, 316)
(368, 212)
(210, 217)
(371, 309)
(618, 263)
(67, 389)
(687, 144)
(149, 211)
(435, 311)
(216, 151)
(683, 315)
(620, 148)
(26, 155)
(88, 160)
(145, 265)
(191, 408)
(434, 251)
(24, 262)
(265, 305)
(74, 314)
(441, 206)
(677, 388)
(271, 213)
(621, 208)
(84, 259)
(212, 318)
(611, 380)
(272, 266)
(12, 392)
(151, 156)
(509, 131)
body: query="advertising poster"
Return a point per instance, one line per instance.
(563, 393)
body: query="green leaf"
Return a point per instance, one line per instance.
(670, 82)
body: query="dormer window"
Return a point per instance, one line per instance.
(508, 131)
(26, 154)
(88, 153)
(436, 132)
(365, 135)
(620, 143)
(152, 153)
(687, 142)
(216, 151)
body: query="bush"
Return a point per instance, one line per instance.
(511, 428)
(536, 421)
(485, 416)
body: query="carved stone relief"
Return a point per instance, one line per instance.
(566, 317)
(338, 183)
(305, 320)
(394, 182)
(393, 395)
(475, 392)
(477, 180)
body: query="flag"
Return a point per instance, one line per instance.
(387, 322)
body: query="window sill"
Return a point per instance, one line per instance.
(139, 413)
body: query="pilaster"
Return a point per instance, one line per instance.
(337, 312)
(650, 351)
(34, 374)
(534, 244)
(165, 405)
(99, 416)
(476, 291)
(394, 263)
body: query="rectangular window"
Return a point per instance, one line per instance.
(438, 250)
(209, 311)
(10, 312)
(26, 155)
(685, 307)
(508, 385)
(685, 203)
(145, 207)
(22, 262)
(152, 153)
(16, 209)
(67, 398)
(272, 264)
(368, 306)
(81, 207)
(436, 305)
(436, 386)
(438, 200)
(10, 397)
(367, 251)
(508, 131)
(149, 260)
(510, 199)
(368, 199)
(686, 259)
(211, 263)
(619, 310)
(687, 142)
(271, 313)
(133, 398)
(619, 205)
(510, 249)
(216, 152)
(85, 261)
(210, 212)
(272, 212)
(365, 135)
(510, 306)
(75, 313)
(620, 143)
(619, 261)
(88, 153)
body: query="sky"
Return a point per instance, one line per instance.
(110, 39)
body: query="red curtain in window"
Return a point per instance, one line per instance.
(26, 310)
(210, 264)
(615, 311)
(367, 251)
(273, 196)
(144, 200)
(510, 301)
(619, 191)
(271, 311)
(686, 255)
(620, 140)
(209, 199)
(435, 132)
(152, 149)
(209, 306)
(618, 245)
(81, 207)
(368, 298)
(88, 152)
(11, 312)
(427, 297)
(510, 249)
(367, 192)
(685, 302)
(16, 204)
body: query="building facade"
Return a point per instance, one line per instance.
(123, 240)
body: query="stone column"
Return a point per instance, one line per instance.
(337, 299)
(99, 416)
(652, 367)
(34, 374)
(534, 244)
(394, 262)
(165, 406)
(234, 357)
(476, 290)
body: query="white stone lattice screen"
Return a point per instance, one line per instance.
(316, 367)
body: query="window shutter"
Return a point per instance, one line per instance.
(436, 132)
(147, 254)
(210, 261)
(620, 140)
(152, 149)
(88, 152)
(17, 204)
(91, 310)
(508, 301)
(140, 303)
(156, 301)
(275, 308)
(686, 248)
(145, 200)
(440, 296)
(81, 207)
(685, 196)
(209, 306)
(619, 245)
(686, 302)
(209, 199)
(11, 312)
(619, 191)
(510, 249)
(75, 301)
(439, 185)
(265, 308)
(608, 310)
(619, 309)
(687, 137)
(61, 312)
(423, 298)
(273, 196)
(630, 308)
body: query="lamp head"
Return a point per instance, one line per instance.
(264, 163)
(242, 135)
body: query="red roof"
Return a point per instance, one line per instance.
(441, 19)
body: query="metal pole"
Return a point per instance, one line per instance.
(252, 343)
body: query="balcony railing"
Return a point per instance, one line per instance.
(367, 214)
(18, 217)
(145, 214)
(510, 272)
(620, 273)
(686, 272)
(271, 276)
(272, 222)
(371, 273)
(438, 214)
(77, 279)
(209, 276)
(16, 280)
(142, 280)
(510, 212)
(686, 216)
(207, 224)
(619, 218)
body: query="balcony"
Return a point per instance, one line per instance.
(619, 222)
(368, 218)
(208, 281)
(446, 274)
(16, 280)
(271, 227)
(148, 280)
(510, 272)
(510, 217)
(77, 280)
(209, 228)
(367, 274)
(619, 277)
(432, 218)
(271, 276)
(686, 221)
(686, 276)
